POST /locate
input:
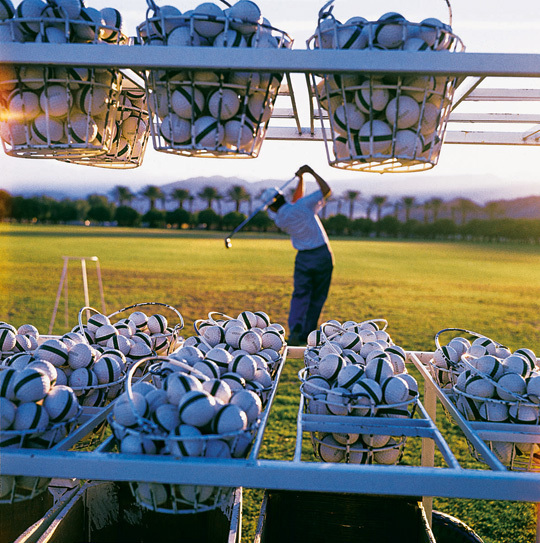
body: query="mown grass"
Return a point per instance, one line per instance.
(419, 287)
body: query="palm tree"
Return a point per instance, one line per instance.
(379, 202)
(191, 200)
(219, 199)
(427, 207)
(238, 194)
(397, 206)
(209, 194)
(408, 203)
(340, 203)
(352, 196)
(180, 195)
(153, 194)
(122, 195)
(436, 204)
(494, 210)
(369, 208)
(465, 206)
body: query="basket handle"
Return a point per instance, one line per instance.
(141, 421)
(155, 8)
(476, 334)
(141, 304)
(212, 313)
(326, 11)
(79, 318)
(376, 320)
(154, 370)
(196, 325)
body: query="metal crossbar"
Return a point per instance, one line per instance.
(496, 483)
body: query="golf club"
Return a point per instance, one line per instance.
(228, 243)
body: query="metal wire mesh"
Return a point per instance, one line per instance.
(179, 443)
(210, 114)
(383, 123)
(130, 134)
(61, 111)
(359, 408)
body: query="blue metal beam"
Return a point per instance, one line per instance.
(273, 474)
(275, 60)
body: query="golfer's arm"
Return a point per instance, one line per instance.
(299, 190)
(323, 185)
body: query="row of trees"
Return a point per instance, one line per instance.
(183, 197)
(347, 203)
(527, 230)
(98, 209)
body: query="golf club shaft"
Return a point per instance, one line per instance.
(258, 210)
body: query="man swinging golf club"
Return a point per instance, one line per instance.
(314, 261)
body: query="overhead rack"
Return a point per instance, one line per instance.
(473, 69)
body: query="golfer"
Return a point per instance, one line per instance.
(314, 261)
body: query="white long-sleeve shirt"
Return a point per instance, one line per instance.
(301, 222)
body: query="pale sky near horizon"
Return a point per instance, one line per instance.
(483, 25)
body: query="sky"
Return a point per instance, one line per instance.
(483, 25)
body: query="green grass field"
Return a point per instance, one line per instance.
(419, 287)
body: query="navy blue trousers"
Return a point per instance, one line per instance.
(312, 276)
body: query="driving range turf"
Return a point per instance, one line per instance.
(419, 287)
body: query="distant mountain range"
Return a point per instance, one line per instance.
(515, 200)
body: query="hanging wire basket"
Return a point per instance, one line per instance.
(171, 498)
(198, 113)
(62, 111)
(389, 123)
(51, 113)
(131, 131)
(20, 488)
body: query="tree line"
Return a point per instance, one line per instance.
(405, 217)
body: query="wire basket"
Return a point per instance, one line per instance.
(273, 356)
(355, 451)
(353, 445)
(345, 403)
(170, 335)
(220, 114)
(20, 488)
(63, 24)
(519, 450)
(383, 123)
(170, 498)
(131, 131)
(98, 395)
(59, 112)
(445, 370)
(327, 400)
(62, 111)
